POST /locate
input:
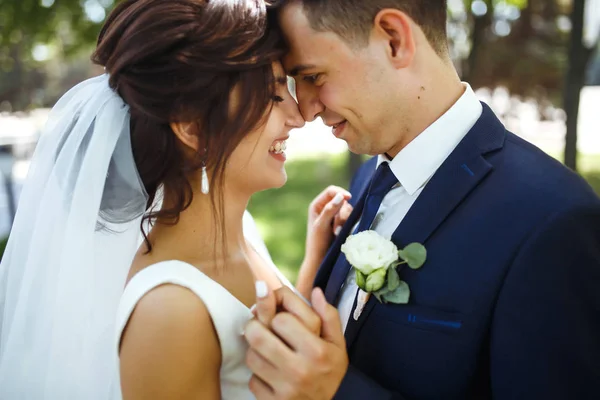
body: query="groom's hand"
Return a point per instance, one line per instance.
(301, 354)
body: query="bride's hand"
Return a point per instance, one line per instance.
(326, 215)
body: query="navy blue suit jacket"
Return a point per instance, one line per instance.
(507, 305)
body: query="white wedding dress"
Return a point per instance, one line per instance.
(228, 314)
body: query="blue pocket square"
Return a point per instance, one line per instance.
(412, 318)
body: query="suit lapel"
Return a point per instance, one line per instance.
(462, 171)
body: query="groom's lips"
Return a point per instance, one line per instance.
(338, 128)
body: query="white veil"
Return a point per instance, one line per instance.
(74, 237)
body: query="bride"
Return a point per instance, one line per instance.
(132, 264)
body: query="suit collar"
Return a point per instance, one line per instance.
(421, 158)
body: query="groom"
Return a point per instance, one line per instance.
(507, 305)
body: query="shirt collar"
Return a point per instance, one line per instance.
(421, 158)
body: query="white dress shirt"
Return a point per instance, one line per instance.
(414, 166)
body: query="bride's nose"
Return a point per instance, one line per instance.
(294, 118)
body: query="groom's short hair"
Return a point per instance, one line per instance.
(352, 20)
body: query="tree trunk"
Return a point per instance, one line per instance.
(478, 39)
(574, 81)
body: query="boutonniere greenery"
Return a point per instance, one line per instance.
(375, 260)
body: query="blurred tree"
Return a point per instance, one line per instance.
(534, 48)
(593, 73)
(518, 44)
(33, 31)
(579, 57)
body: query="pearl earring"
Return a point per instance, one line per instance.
(205, 186)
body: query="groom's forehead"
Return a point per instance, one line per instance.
(301, 58)
(306, 47)
(309, 51)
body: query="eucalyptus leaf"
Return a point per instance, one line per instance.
(383, 290)
(414, 254)
(379, 297)
(398, 296)
(393, 279)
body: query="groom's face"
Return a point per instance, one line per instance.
(347, 86)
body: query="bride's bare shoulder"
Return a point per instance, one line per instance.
(169, 348)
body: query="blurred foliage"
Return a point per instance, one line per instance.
(520, 44)
(63, 22)
(281, 213)
(34, 31)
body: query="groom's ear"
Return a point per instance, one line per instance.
(186, 133)
(396, 29)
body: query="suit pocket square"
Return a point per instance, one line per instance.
(420, 317)
(417, 319)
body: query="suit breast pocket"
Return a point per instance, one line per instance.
(420, 317)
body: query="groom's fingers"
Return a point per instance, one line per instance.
(265, 307)
(260, 389)
(287, 300)
(332, 325)
(296, 335)
(266, 344)
(266, 375)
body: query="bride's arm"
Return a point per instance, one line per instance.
(170, 349)
(327, 212)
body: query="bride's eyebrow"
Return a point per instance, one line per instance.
(281, 80)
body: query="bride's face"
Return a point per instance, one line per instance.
(258, 162)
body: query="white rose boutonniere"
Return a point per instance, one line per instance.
(375, 259)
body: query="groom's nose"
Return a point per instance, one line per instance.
(309, 103)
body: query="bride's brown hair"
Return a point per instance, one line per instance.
(179, 61)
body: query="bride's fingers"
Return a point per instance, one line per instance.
(325, 197)
(319, 204)
(327, 215)
(341, 217)
(265, 307)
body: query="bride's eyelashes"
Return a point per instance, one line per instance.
(278, 99)
(313, 78)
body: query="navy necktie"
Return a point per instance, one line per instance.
(382, 182)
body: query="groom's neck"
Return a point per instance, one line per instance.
(435, 89)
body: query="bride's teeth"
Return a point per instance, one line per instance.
(278, 148)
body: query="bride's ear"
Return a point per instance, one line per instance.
(185, 132)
